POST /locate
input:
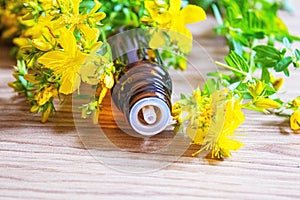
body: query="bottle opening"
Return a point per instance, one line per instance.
(149, 116)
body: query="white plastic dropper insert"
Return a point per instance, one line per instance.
(149, 116)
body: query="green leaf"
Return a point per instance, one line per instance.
(221, 30)
(265, 75)
(217, 14)
(267, 56)
(210, 86)
(23, 81)
(297, 54)
(237, 62)
(287, 43)
(182, 96)
(243, 90)
(252, 22)
(264, 51)
(239, 38)
(269, 90)
(233, 15)
(235, 45)
(286, 72)
(283, 64)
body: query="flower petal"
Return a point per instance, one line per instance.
(67, 41)
(174, 6)
(192, 14)
(158, 40)
(70, 81)
(52, 60)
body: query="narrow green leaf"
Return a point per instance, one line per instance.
(287, 43)
(286, 72)
(23, 81)
(297, 54)
(237, 62)
(283, 64)
(217, 14)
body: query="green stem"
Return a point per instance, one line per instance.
(217, 14)
(252, 54)
(231, 68)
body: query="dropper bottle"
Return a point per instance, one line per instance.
(143, 89)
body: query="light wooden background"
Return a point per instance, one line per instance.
(50, 161)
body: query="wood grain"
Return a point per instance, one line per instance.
(50, 161)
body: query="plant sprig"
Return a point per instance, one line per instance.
(259, 42)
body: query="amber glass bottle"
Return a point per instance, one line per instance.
(143, 91)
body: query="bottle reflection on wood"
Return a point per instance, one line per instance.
(143, 90)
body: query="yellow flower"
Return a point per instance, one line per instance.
(228, 117)
(23, 43)
(66, 63)
(9, 20)
(71, 16)
(174, 19)
(198, 111)
(45, 95)
(89, 38)
(199, 125)
(48, 4)
(107, 82)
(46, 41)
(233, 118)
(295, 120)
(177, 112)
(44, 23)
(256, 88)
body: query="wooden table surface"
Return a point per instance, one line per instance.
(51, 161)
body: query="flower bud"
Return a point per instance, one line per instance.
(259, 88)
(46, 114)
(41, 45)
(298, 64)
(267, 103)
(278, 83)
(181, 62)
(296, 102)
(34, 109)
(295, 120)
